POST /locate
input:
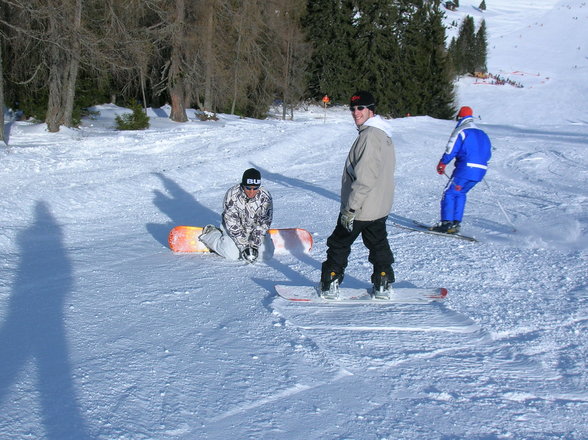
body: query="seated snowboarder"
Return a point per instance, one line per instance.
(247, 216)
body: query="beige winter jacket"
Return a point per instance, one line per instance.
(367, 185)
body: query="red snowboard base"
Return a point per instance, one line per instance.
(288, 240)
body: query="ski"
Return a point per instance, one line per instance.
(421, 227)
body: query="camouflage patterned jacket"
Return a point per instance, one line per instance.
(247, 220)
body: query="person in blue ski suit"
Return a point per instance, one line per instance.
(471, 148)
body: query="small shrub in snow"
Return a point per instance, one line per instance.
(138, 120)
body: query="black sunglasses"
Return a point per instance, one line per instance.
(358, 107)
(251, 188)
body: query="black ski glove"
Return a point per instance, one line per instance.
(249, 254)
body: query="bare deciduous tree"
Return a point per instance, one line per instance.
(63, 36)
(244, 50)
(291, 52)
(208, 53)
(69, 91)
(228, 55)
(50, 37)
(175, 77)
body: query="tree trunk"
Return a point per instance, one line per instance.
(73, 68)
(237, 67)
(237, 70)
(2, 99)
(54, 115)
(142, 81)
(175, 80)
(54, 108)
(286, 77)
(209, 57)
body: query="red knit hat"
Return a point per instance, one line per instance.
(465, 111)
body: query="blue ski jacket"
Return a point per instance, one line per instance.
(471, 149)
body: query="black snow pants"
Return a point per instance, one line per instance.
(375, 238)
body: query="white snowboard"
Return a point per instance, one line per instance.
(399, 295)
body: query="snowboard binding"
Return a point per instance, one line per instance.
(330, 286)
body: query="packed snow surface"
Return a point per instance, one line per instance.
(107, 334)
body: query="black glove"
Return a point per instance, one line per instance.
(249, 254)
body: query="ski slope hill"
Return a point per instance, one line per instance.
(542, 46)
(106, 334)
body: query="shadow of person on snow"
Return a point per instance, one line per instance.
(297, 183)
(181, 207)
(34, 329)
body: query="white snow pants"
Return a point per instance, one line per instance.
(219, 242)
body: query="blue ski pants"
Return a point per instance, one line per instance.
(454, 198)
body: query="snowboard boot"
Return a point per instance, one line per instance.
(209, 228)
(442, 227)
(206, 237)
(330, 282)
(381, 285)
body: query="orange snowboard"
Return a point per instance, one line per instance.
(289, 240)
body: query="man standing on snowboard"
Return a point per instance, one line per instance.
(471, 149)
(247, 216)
(367, 191)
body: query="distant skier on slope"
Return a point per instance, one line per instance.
(471, 149)
(247, 216)
(367, 191)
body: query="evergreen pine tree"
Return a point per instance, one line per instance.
(376, 49)
(441, 89)
(329, 26)
(481, 48)
(138, 120)
(395, 49)
(482, 5)
(463, 51)
(427, 81)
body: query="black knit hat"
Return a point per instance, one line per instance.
(363, 98)
(251, 177)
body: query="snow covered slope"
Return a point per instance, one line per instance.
(540, 44)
